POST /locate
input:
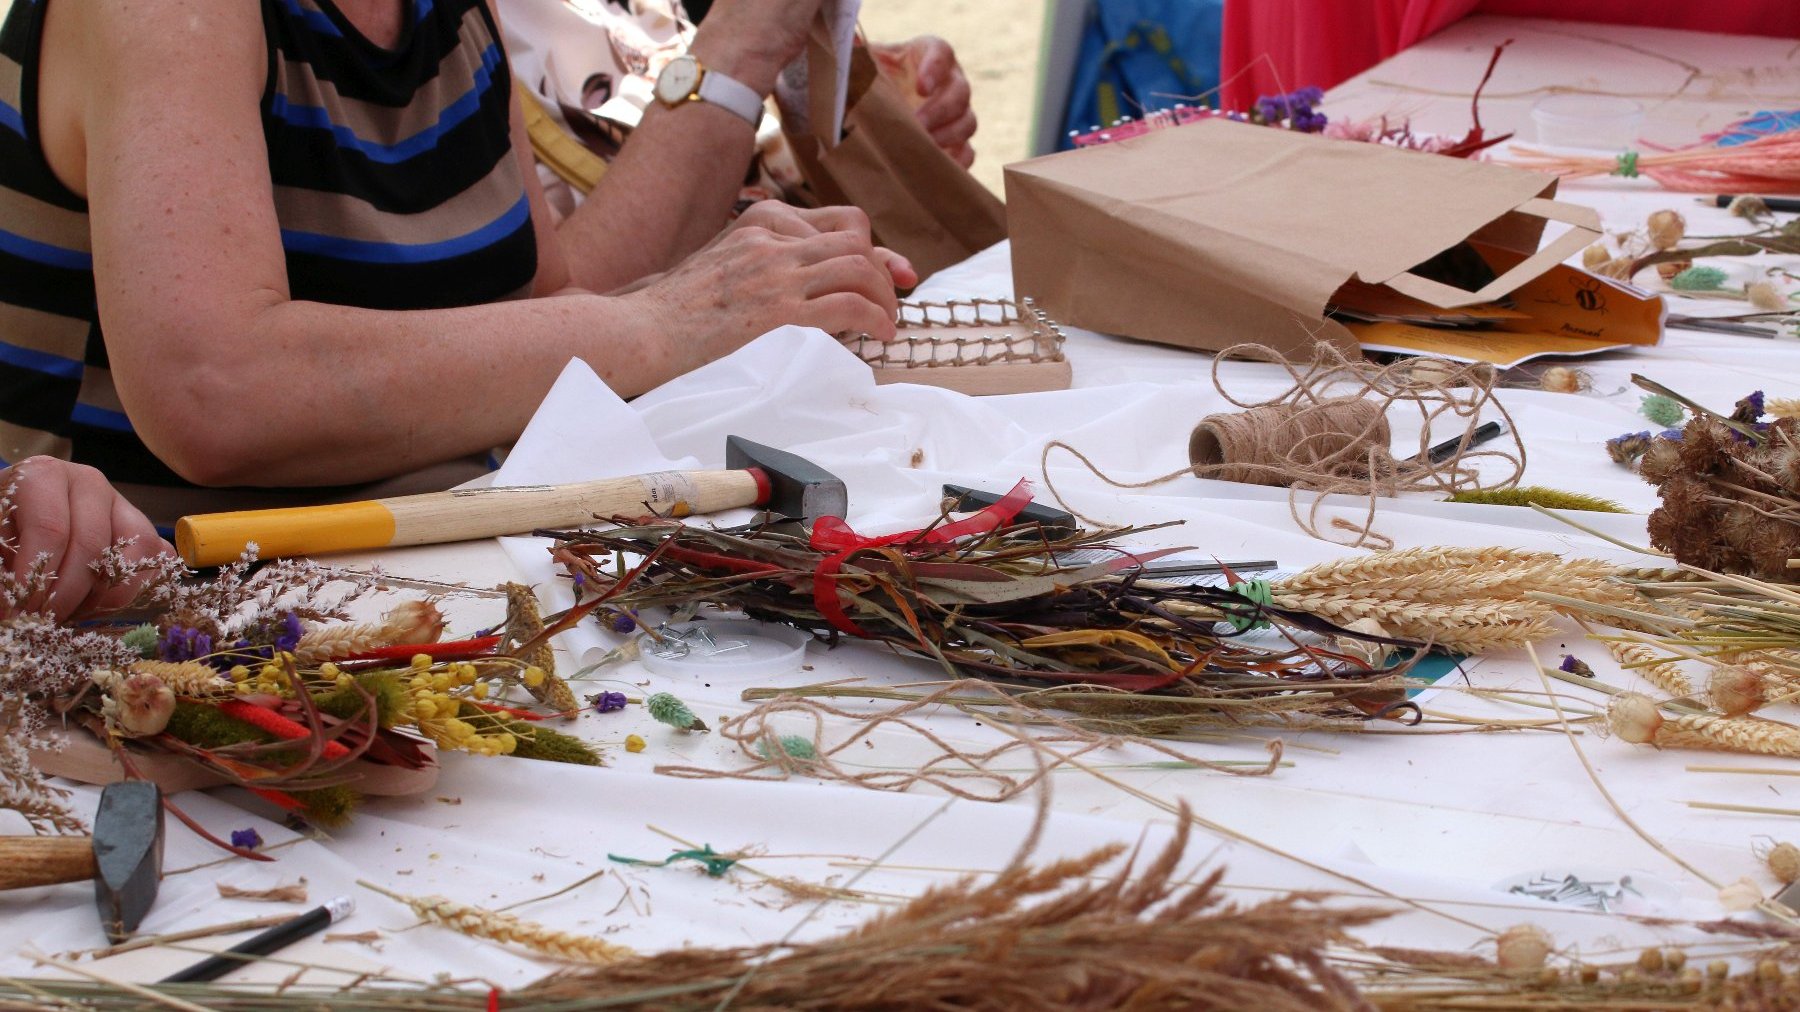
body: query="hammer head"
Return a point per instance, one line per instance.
(128, 847)
(798, 489)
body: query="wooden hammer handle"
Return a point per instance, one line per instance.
(44, 860)
(460, 515)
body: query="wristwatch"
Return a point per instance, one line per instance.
(686, 79)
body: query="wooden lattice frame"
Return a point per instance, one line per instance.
(976, 346)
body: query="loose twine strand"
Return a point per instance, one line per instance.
(968, 773)
(1328, 435)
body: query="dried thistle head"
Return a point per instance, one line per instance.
(1764, 295)
(1784, 467)
(1769, 556)
(1634, 717)
(1749, 207)
(1522, 948)
(1661, 461)
(1706, 445)
(1560, 379)
(136, 705)
(1736, 691)
(1783, 860)
(414, 622)
(1740, 526)
(1665, 229)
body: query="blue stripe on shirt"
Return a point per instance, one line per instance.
(100, 418)
(422, 10)
(318, 21)
(365, 251)
(11, 120)
(40, 361)
(453, 115)
(44, 253)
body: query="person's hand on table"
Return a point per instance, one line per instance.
(929, 73)
(774, 270)
(63, 516)
(800, 222)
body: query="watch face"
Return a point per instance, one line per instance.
(678, 80)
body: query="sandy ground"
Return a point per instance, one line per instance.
(997, 42)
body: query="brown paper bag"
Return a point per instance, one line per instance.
(1218, 233)
(920, 202)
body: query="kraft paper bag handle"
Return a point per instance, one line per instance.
(1586, 230)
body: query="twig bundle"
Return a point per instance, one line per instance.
(997, 605)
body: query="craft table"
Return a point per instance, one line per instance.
(1446, 820)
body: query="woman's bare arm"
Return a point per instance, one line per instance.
(231, 381)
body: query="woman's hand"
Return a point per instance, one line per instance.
(935, 84)
(800, 222)
(751, 40)
(757, 277)
(62, 517)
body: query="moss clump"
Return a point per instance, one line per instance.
(329, 807)
(345, 702)
(203, 725)
(1549, 498)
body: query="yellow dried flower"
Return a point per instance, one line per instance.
(635, 743)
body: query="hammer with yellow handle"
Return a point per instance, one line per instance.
(755, 475)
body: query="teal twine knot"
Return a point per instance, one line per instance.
(1627, 165)
(716, 865)
(1256, 592)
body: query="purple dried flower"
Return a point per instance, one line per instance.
(1628, 447)
(624, 622)
(182, 643)
(246, 839)
(291, 631)
(1672, 435)
(1574, 666)
(1752, 405)
(609, 702)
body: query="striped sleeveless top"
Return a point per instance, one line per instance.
(394, 183)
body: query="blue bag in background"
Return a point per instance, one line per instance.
(1142, 55)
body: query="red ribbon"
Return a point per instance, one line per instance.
(832, 534)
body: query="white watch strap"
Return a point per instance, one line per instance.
(730, 94)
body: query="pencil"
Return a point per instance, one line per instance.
(1448, 448)
(273, 940)
(1774, 203)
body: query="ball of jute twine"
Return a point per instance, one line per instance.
(1328, 434)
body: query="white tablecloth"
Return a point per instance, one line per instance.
(1447, 818)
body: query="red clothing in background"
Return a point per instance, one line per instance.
(1325, 42)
